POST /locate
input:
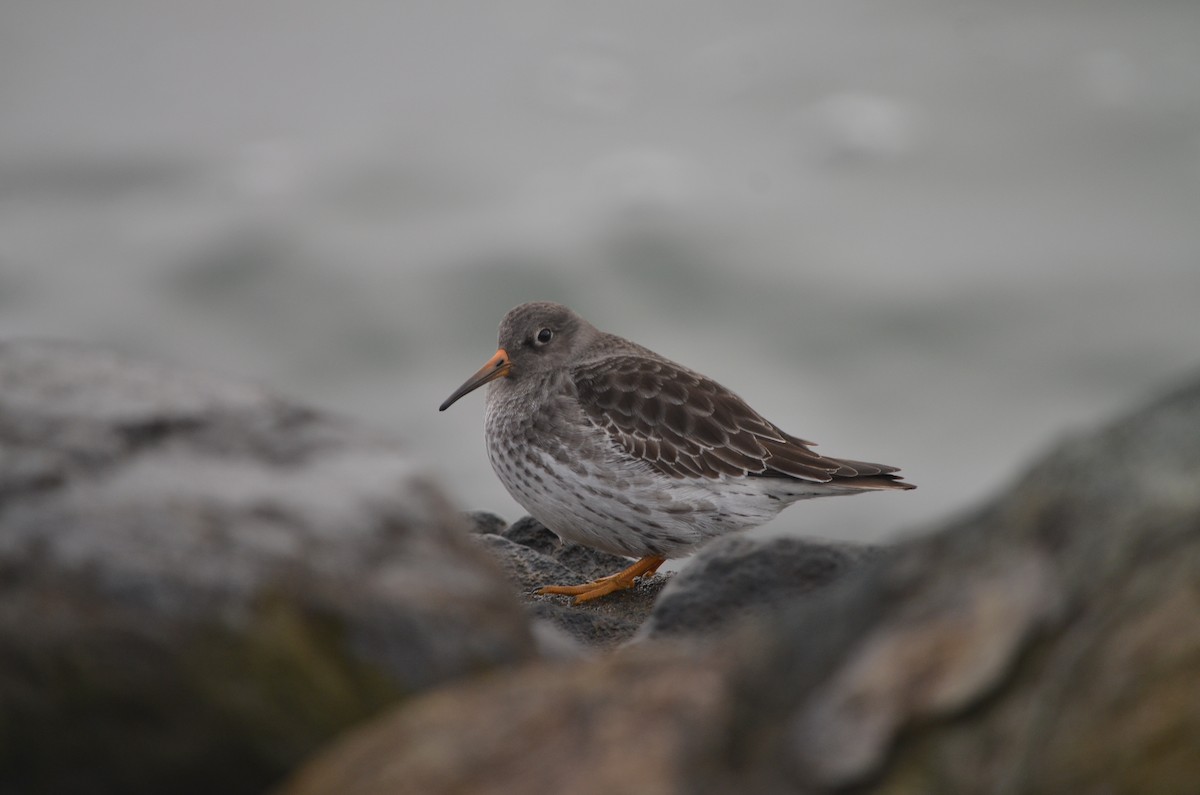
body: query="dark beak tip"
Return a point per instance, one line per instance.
(494, 368)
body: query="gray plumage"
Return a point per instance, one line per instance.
(615, 447)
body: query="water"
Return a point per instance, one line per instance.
(938, 235)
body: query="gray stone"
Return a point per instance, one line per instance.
(620, 723)
(485, 523)
(584, 562)
(533, 556)
(529, 532)
(200, 582)
(526, 568)
(1048, 642)
(738, 577)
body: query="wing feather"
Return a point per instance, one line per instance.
(687, 425)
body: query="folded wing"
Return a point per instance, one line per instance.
(686, 425)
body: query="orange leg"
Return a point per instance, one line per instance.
(620, 581)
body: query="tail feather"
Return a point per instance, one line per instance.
(865, 475)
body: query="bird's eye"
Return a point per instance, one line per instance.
(544, 336)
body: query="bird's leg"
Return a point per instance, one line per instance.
(620, 581)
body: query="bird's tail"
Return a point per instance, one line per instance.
(863, 475)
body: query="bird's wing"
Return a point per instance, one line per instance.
(686, 425)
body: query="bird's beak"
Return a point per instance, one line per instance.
(496, 367)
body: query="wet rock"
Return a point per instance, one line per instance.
(738, 577)
(485, 523)
(200, 582)
(1048, 642)
(534, 556)
(628, 722)
(727, 581)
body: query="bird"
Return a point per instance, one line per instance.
(612, 446)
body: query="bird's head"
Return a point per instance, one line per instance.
(535, 338)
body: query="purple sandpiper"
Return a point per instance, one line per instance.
(614, 447)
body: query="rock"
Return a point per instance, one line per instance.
(200, 582)
(534, 556)
(727, 581)
(524, 566)
(1049, 642)
(585, 562)
(529, 532)
(485, 523)
(738, 576)
(628, 722)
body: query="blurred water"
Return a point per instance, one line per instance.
(934, 234)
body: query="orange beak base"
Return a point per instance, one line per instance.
(498, 366)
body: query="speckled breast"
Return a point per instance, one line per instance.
(568, 474)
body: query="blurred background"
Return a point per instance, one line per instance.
(930, 233)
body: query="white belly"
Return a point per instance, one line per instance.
(625, 507)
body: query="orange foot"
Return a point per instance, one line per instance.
(620, 581)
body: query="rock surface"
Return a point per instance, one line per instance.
(1049, 642)
(727, 581)
(200, 582)
(740, 577)
(533, 556)
(627, 722)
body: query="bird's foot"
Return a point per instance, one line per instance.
(622, 580)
